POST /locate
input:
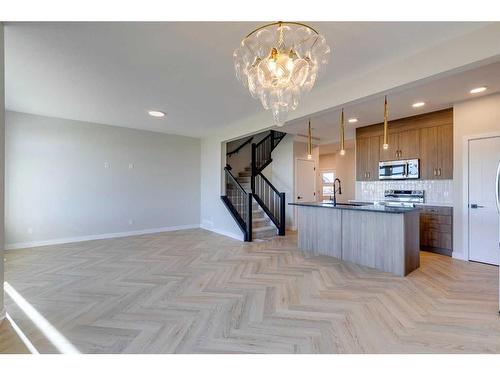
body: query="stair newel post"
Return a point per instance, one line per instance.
(249, 218)
(281, 230)
(254, 167)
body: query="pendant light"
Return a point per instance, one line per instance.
(279, 62)
(342, 130)
(309, 143)
(386, 143)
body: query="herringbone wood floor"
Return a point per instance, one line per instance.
(195, 291)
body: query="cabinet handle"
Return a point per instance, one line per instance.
(435, 172)
(368, 174)
(439, 172)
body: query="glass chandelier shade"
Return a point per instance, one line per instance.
(278, 62)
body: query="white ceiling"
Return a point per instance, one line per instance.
(112, 73)
(438, 93)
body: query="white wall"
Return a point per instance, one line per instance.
(70, 180)
(214, 215)
(475, 117)
(2, 159)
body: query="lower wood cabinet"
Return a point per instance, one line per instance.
(436, 229)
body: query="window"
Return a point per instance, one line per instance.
(327, 178)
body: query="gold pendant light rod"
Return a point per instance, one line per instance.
(342, 133)
(386, 144)
(309, 142)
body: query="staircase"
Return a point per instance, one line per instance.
(255, 204)
(262, 226)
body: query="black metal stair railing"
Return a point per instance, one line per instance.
(266, 195)
(262, 151)
(271, 201)
(239, 204)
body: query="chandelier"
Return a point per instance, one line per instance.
(279, 61)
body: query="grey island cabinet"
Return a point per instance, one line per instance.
(384, 238)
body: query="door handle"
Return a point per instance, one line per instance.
(475, 205)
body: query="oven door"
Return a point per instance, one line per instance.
(392, 170)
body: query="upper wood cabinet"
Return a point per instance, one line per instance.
(404, 145)
(392, 152)
(436, 153)
(409, 144)
(445, 152)
(428, 137)
(428, 153)
(367, 158)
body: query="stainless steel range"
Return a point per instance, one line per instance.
(403, 198)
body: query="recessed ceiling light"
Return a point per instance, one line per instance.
(353, 120)
(156, 114)
(418, 104)
(477, 90)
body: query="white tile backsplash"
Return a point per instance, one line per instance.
(436, 191)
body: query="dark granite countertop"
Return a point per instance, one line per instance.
(353, 207)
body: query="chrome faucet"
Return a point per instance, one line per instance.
(335, 191)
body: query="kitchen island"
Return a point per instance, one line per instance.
(384, 238)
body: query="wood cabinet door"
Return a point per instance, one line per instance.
(445, 151)
(373, 158)
(409, 144)
(391, 152)
(428, 154)
(362, 155)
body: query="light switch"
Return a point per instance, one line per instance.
(106, 165)
(130, 165)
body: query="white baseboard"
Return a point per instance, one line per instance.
(222, 232)
(459, 256)
(57, 241)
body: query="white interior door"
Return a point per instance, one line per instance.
(484, 156)
(305, 181)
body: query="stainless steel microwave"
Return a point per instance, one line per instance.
(399, 170)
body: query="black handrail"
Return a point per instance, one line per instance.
(235, 181)
(271, 201)
(239, 204)
(269, 183)
(263, 139)
(239, 147)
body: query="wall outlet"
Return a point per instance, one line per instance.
(30, 230)
(130, 165)
(106, 165)
(130, 221)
